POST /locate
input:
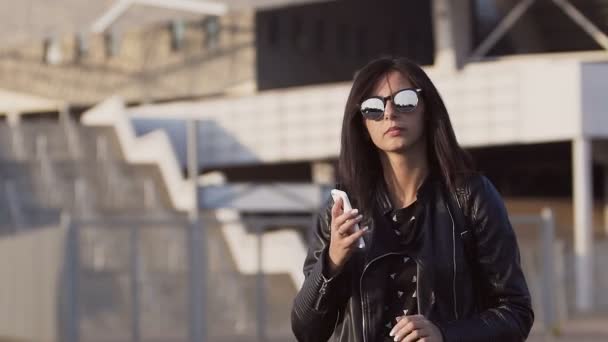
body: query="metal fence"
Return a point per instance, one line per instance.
(167, 280)
(137, 279)
(130, 280)
(542, 257)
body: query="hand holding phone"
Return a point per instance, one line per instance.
(335, 194)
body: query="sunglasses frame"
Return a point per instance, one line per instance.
(385, 99)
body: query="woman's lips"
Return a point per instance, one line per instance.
(394, 131)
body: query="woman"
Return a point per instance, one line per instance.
(441, 262)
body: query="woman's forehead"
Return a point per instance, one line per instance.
(390, 82)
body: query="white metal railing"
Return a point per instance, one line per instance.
(71, 133)
(17, 141)
(83, 199)
(542, 260)
(47, 172)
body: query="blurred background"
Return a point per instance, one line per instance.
(161, 162)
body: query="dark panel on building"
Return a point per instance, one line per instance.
(541, 170)
(328, 41)
(528, 170)
(282, 172)
(543, 28)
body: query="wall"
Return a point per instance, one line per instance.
(518, 101)
(30, 267)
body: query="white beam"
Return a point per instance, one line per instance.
(111, 15)
(581, 20)
(195, 6)
(583, 230)
(122, 6)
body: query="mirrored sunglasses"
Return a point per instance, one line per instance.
(404, 101)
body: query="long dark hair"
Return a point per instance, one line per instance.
(359, 167)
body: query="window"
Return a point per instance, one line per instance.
(320, 35)
(273, 30)
(297, 34)
(211, 27)
(177, 35)
(360, 47)
(112, 43)
(343, 41)
(81, 46)
(52, 51)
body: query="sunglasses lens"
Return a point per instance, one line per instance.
(406, 101)
(372, 108)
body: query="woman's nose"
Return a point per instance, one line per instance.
(389, 110)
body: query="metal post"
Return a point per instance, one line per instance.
(606, 200)
(150, 198)
(135, 274)
(260, 288)
(46, 169)
(70, 132)
(17, 141)
(548, 274)
(197, 244)
(14, 205)
(82, 199)
(41, 151)
(72, 289)
(583, 234)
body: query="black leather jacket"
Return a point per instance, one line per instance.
(470, 283)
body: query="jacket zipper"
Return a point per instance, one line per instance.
(361, 287)
(417, 272)
(322, 292)
(453, 261)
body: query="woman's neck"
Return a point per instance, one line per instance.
(404, 173)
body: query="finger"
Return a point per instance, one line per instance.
(416, 335)
(409, 331)
(402, 321)
(410, 318)
(349, 240)
(344, 217)
(347, 226)
(336, 209)
(406, 324)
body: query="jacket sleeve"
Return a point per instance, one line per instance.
(315, 308)
(508, 314)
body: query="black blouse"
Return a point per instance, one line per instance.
(400, 292)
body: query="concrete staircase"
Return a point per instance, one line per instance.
(49, 166)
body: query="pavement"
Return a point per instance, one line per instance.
(590, 328)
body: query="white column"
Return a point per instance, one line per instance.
(323, 173)
(13, 118)
(583, 239)
(452, 31)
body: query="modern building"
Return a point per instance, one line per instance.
(266, 82)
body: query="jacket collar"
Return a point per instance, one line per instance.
(383, 200)
(382, 240)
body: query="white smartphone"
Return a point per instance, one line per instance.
(335, 194)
